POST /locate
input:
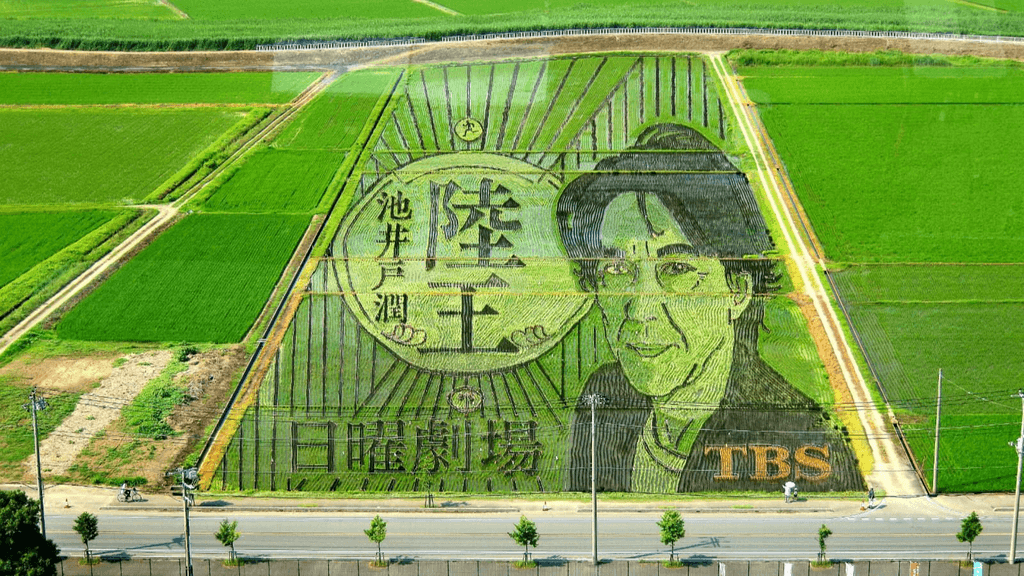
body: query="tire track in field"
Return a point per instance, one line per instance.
(166, 213)
(892, 471)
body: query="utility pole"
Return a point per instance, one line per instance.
(36, 403)
(593, 400)
(1019, 445)
(938, 417)
(188, 484)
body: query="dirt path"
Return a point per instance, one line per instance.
(96, 410)
(475, 50)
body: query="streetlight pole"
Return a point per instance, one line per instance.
(188, 484)
(1019, 445)
(36, 403)
(593, 400)
(938, 418)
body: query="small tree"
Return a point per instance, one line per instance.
(525, 534)
(969, 530)
(87, 527)
(226, 535)
(377, 532)
(672, 530)
(823, 534)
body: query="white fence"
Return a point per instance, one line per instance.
(616, 31)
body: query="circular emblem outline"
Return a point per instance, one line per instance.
(469, 129)
(466, 399)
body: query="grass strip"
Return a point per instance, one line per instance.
(207, 161)
(31, 289)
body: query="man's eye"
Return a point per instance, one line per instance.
(677, 268)
(616, 268)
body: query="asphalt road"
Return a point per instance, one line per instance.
(875, 534)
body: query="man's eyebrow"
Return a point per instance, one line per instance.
(676, 249)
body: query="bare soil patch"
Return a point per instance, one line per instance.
(97, 409)
(62, 373)
(120, 453)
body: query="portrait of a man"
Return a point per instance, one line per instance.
(669, 239)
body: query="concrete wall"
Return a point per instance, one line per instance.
(546, 567)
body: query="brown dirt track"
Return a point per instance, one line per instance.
(69, 61)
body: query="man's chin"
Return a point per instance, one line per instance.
(653, 376)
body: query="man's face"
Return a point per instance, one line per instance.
(667, 311)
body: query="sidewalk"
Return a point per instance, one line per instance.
(73, 500)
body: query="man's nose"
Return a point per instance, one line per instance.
(646, 304)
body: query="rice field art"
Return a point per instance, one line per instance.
(528, 245)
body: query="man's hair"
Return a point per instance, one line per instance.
(708, 197)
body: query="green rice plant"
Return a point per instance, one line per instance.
(915, 320)
(791, 58)
(276, 180)
(931, 270)
(336, 117)
(971, 449)
(120, 9)
(204, 280)
(178, 88)
(209, 159)
(949, 210)
(346, 179)
(269, 10)
(31, 237)
(80, 156)
(22, 295)
(821, 85)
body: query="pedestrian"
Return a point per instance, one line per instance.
(789, 488)
(871, 496)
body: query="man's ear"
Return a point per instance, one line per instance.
(742, 287)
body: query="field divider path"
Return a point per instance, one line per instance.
(166, 213)
(892, 471)
(175, 9)
(439, 7)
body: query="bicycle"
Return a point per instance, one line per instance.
(129, 495)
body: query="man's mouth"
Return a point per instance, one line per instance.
(649, 350)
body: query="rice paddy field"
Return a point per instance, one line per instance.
(448, 326)
(922, 221)
(269, 10)
(444, 339)
(180, 88)
(205, 280)
(278, 181)
(334, 120)
(23, 246)
(231, 24)
(148, 9)
(79, 147)
(97, 156)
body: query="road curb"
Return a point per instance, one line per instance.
(328, 509)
